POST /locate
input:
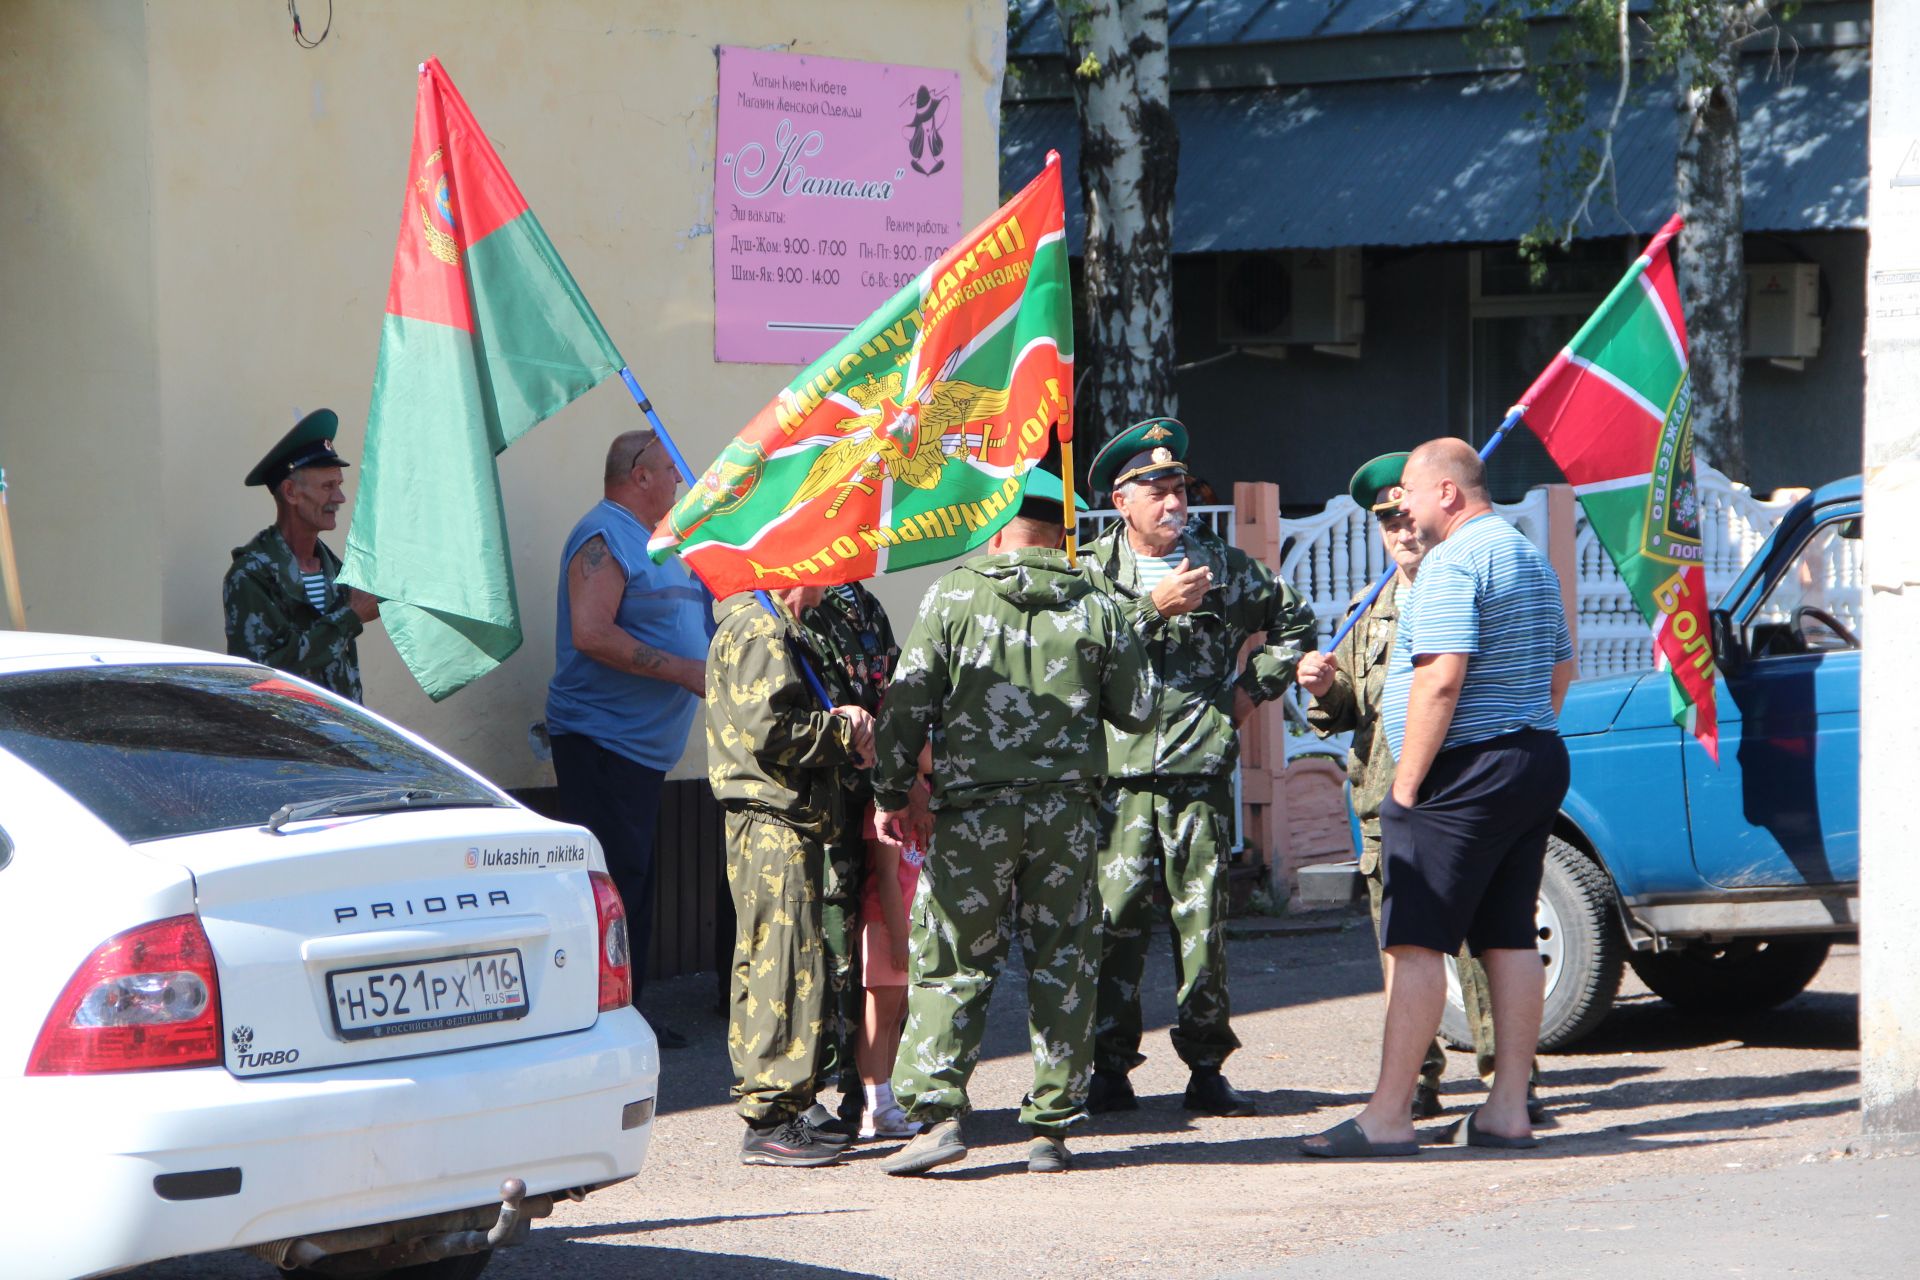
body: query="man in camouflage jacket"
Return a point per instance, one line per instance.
(856, 640)
(1020, 658)
(775, 757)
(1347, 687)
(285, 605)
(1169, 820)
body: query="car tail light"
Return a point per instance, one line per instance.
(616, 960)
(145, 999)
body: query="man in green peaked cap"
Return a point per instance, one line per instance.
(285, 605)
(1194, 602)
(1020, 657)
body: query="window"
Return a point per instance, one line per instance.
(164, 751)
(1818, 588)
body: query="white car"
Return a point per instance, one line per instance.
(283, 977)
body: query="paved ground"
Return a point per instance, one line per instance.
(1718, 1147)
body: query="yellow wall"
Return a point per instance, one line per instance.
(198, 220)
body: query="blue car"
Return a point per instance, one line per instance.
(1722, 885)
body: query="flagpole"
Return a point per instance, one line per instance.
(9, 567)
(688, 478)
(1513, 419)
(1066, 483)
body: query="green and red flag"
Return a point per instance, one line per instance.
(909, 442)
(486, 335)
(1615, 410)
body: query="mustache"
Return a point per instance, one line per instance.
(1171, 522)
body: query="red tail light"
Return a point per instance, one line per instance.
(144, 1000)
(616, 961)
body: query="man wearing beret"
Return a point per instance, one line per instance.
(1195, 602)
(1347, 687)
(1021, 657)
(285, 605)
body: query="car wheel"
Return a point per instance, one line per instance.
(465, 1266)
(1743, 976)
(1580, 948)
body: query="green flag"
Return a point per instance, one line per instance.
(486, 335)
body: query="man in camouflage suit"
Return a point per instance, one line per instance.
(1020, 658)
(852, 631)
(1347, 687)
(285, 604)
(1195, 602)
(775, 757)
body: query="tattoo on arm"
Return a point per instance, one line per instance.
(647, 660)
(593, 555)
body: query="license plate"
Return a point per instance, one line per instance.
(427, 995)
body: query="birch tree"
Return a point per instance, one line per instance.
(1698, 43)
(1129, 156)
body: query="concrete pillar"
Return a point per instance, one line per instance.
(1890, 677)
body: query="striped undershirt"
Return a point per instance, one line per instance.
(316, 588)
(1154, 569)
(1487, 592)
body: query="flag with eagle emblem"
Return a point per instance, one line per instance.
(910, 441)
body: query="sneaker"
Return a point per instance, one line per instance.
(828, 1126)
(788, 1143)
(1111, 1091)
(889, 1122)
(1209, 1092)
(1426, 1101)
(1047, 1153)
(939, 1145)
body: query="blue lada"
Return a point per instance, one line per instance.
(1723, 886)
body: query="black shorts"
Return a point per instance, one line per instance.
(1464, 863)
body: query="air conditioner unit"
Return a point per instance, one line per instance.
(1299, 296)
(1783, 310)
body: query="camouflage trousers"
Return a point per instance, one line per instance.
(840, 930)
(1177, 834)
(1473, 992)
(1025, 866)
(777, 1007)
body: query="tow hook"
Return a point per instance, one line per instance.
(507, 1230)
(357, 1251)
(512, 1192)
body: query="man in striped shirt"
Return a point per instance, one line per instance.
(1480, 666)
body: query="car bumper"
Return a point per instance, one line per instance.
(317, 1151)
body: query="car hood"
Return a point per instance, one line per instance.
(1592, 706)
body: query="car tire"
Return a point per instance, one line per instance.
(1580, 945)
(465, 1266)
(1747, 975)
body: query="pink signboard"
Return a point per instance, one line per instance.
(837, 182)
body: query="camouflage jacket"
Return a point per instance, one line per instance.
(1020, 657)
(271, 621)
(1194, 656)
(771, 746)
(1353, 704)
(856, 639)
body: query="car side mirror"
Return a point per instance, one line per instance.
(1728, 652)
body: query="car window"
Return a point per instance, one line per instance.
(160, 751)
(1818, 587)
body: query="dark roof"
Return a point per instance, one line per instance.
(1203, 23)
(1454, 158)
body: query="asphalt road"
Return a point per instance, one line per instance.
(1655, 1111)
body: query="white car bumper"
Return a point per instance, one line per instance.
(317, 1151)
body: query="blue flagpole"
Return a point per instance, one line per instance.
(687, 478)
(1512, 420)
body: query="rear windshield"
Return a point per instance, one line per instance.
(173, 750)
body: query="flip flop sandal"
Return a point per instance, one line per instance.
(1464, 1133)
(1348, 1141)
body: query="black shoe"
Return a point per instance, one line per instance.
(1537, 1112)
(1047, 1153)
(665, 1036)
(829, 1127)
(1111, 1091)
(1426, 1101)
(790, 1143)
(1209, 1092)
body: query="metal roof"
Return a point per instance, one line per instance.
(1454, 158)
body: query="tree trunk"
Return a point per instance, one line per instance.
(1711, 257)
(1129, 155)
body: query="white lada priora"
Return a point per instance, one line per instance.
(282, 976)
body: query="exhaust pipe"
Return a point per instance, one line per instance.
(364, 1250)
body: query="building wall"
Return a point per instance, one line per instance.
(199, 218)
(1307, 420)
